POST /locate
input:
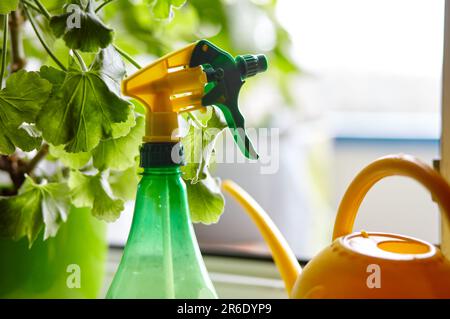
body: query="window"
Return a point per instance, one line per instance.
(361, 57)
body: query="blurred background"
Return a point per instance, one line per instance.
(349, 81)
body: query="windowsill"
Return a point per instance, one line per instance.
(385, 126)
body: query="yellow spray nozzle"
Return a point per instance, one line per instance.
(166, 87)
(177, 82)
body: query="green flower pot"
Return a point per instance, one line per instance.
(70, 265)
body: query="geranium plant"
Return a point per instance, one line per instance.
(67, 136)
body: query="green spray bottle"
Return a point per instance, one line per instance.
(161, 258)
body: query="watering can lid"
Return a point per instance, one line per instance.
(388, 246)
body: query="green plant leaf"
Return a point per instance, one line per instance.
(206, 202)
(109, 65)
(54, 203)
(124, 183)
(83, 110)
(6, 6)
(21, 216)
(81, 28)
(54, 76)
(120, 153)
(123, 128)
(20, 102)
(199, 146)
(192, 145)
(35, 206)
(72, 160)
(163, 9)
(93, 191)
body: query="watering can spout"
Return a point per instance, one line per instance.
(282, 254)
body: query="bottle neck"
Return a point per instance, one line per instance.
(160, 190)
(161, 154)
(162, 170)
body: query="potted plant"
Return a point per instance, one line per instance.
(69, 141)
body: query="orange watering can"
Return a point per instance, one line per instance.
(363, 264)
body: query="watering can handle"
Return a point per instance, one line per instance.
(392, 165)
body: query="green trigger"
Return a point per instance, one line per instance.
(225, 75)
(236, 125)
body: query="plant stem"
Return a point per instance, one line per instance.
(195, 119)
(127, 57)
(40, 155)
(43, 9)
(39, 36)
(4, 48)
(18, 60)
(15, 166)
(80, 60)
(80, 4)
(102, 5)
(32, 6)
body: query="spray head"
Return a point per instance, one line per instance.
(192, 78)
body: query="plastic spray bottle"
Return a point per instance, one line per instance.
(161, 258)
